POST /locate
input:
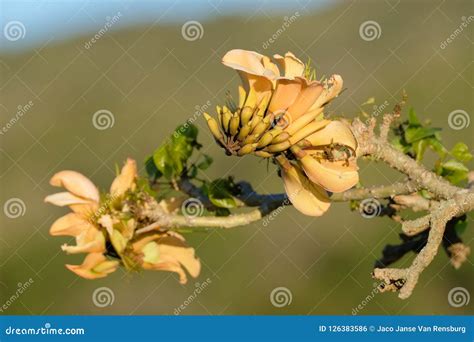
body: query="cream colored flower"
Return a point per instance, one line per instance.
(83, 198)
(295, 93)
(167, 252)
(307, 197)
(280, 115)
(279, 104)
(330, 159)
(125, 180)
(95, 266)
(327, 164)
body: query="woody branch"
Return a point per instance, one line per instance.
(450, 202)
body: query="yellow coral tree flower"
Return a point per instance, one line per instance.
(280, 115)
(93, 223)
(95, 266)
(167, 252)
(330, 158)
(279, 104)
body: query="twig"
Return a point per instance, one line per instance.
(449, 202)
(383, 191)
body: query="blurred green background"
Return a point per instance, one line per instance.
(152, 79)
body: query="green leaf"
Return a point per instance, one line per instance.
(180, 150)
(425, 194)
(420, 147)
(188, 130)
(193, 171)
(151, 169)
(413, 134)
(460, 151)
(164, 161)
(413, 118)
(227, 202)
(399, 144)
(205, 163)
(170, 158)
(220, 193)
(453, 170)
(454, 165)
(222, 212)
(455, 177)
(437, 146)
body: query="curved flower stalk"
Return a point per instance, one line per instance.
(280, 115)
(104, 227)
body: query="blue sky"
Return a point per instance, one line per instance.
(41, 21)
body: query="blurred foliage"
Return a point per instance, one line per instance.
(413, 137)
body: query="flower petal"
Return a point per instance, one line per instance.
(70, 224)
(285, 94)
(336, 132)
(77, 204)
(333, 176)
(172, 266)
(308, 198)
(62, 199)
(307, 97)
(250, 62)
(291, 66)
(125, 180)
(172, 255)
(332, 88)
(95, 266)
(90, 240)
(256, 71)
(184, 255)
(76, 183)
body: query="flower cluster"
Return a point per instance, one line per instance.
(279, 115)
(104, 227)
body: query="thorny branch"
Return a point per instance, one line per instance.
(449, 202)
